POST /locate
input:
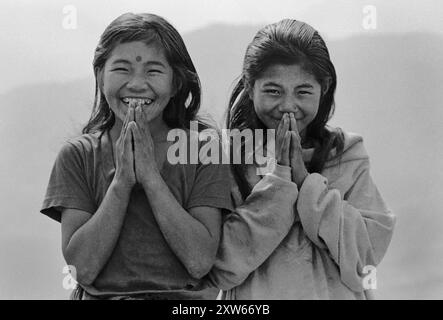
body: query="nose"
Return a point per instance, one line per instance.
(289, 104)
(138, 83)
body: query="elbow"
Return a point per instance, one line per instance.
(80, 272)
(81, 275)
(201, 264)
(225, 280)
(86, 278)
(202, 260)
(200, 269)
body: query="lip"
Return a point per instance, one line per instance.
(136, 97)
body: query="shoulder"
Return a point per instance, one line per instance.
(347, 166)
(80, 146)
(353, 147)
(88, 141)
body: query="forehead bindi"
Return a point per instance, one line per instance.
(138, 52)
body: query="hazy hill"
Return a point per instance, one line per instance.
(389, 90)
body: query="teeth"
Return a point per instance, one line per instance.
(137, 101)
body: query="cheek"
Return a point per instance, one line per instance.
(261, 106)
(109, 86)
(110, 91)
(264, 113)
(311, 108)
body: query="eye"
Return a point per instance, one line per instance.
(154, 71)
(120, 69)
(304, 92)
(272, 92)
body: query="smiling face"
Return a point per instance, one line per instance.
(286, 88)
(137, 72)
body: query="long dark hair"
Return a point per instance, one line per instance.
(149, 28)
(287, 42)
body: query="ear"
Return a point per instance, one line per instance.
(326, 85)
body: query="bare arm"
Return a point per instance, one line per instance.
(193, 236)
(88, 240)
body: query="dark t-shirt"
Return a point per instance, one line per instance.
(142, 261)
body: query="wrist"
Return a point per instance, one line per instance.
(120, 188)
(151, 181)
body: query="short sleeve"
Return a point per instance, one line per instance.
(67, 187)
(212, 187)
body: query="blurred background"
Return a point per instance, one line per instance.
(390, 85)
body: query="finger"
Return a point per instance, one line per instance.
(283, 155)
(286, 148)
(286, 124)
(133, 104)
(132, 114)
(296, 138)
(128, 147)
(125, 123)
(292, 146)
(135, 128)
(294, 128)
(293, 122)
(130, 117)
(297, 134)
(138, 114)
(295, 145)
(281, 131)
(279, 128)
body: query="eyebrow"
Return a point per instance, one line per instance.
(303, 85)
(148, 63)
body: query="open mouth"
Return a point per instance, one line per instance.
(137, 102)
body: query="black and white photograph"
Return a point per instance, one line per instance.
(221, 150)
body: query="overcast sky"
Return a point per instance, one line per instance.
(336, 17)
(36, 48)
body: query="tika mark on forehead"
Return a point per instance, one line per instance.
(138, 59)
